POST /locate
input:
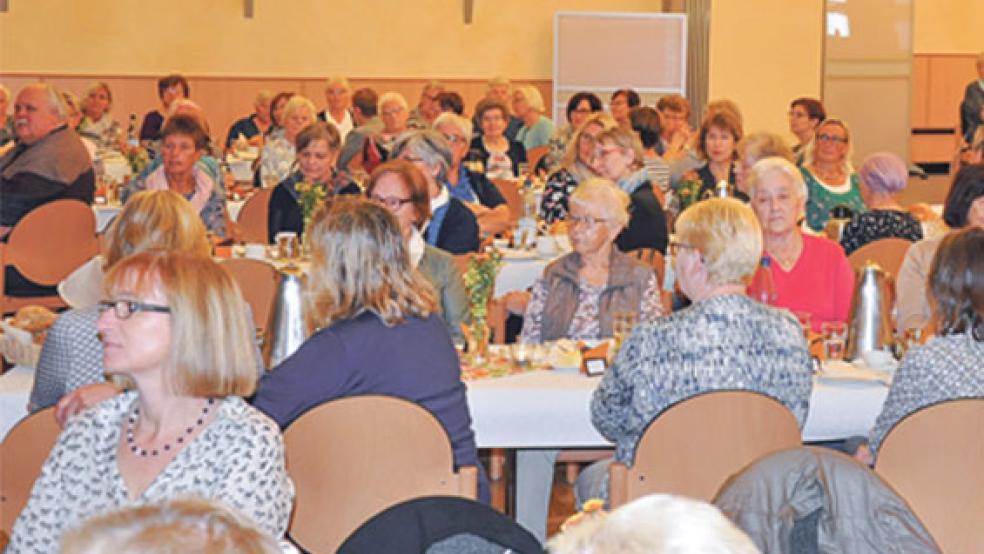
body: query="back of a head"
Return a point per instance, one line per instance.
(763, 144)
(956, 283)
(156, 220)
(727, 234)
(367, 101)
(884, 172)
(645, 121)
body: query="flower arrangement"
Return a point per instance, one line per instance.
(310, 197)
(688, 191)
(480, 280)
(137, 158)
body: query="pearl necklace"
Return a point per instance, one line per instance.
(132, 423)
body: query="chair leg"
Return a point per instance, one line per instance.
(497, 461)
(573, 469)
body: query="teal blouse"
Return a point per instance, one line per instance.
(820, 200)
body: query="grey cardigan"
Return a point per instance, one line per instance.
(438, 267)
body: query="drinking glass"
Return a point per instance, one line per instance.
(520, 353)
(834, 339)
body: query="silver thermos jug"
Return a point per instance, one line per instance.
(286, 331)
(871, 312)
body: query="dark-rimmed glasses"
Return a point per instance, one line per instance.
(125, 308)
(392, 203)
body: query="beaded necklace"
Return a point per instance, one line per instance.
(132, 423)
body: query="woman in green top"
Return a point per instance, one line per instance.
(830, 178)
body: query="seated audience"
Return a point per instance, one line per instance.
(402, 189)
(253, 127)
(754, 147)
(73, 118)
(169, 89)
(183, 427)
(72, 354)
(379, 146)
(170, 527)
(724, 340)
(882, 176)
(452, 226)
(951, 364)
(527, 105)
(619, 157)
(805, 114)
(580, 107)
(183, 144)
(811, 274)
(450, 101)
(338, 94)
(621, 104)
(6, 121)
(277, 106)
(499, 89)
(317, 149)
(427, 110)
(48, 163)
(579, 294)
(645, 123)
(479, 194)
(492, 152)
(575, 167)
(365, 110)
(98, 124)
(376, 329)
(279, 153)
(654, 524)
(717, 145)
(964, 207)
(830, 178)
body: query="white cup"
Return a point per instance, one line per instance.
(256, 251)
(546, 246)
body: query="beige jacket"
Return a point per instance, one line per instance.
(911, 291)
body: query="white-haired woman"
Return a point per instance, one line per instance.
(724, 340)
(810, 274)
(883, 175)
(527, 104)
(98, 124)
(279, 153)
(494, 153)
(828, 173)
(479, 194)
(338, 94)
(578, 295)
(395, 112)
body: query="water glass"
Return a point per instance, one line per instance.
(288, 247)
(834, 339)
(521, 353)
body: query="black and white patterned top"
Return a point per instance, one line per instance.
(945, 368)
(721, 343)
(556, 191)
(237, 460)
(71, 357)
(879, 224)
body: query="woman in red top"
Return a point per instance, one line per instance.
(810, 274)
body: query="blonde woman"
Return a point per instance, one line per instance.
(338, 94)
(98, 124)
(527, 105)
(830, 178)
(376, 325)
(279, 152)
(183, 427)
(575, 167)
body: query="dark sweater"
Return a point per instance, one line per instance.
(459, 230)
(478, 153)
(647, 224)
(414, 360)
(284, 213)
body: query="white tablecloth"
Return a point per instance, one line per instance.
(15, 388)
(517, 275)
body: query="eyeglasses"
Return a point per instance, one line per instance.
(585, 221)
(604, 152)
(392, 203)
(676, 247)
(125, 308)
(452, 139)
(831, 138)
(583, 110)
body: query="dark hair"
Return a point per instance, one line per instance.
(631, 96)
(487, 104)
(319, 130)
(576, 100)
(165, 83)
(968, 185)
(645, 121)
(185, 124)
(366, 100)
(956, 281)
(413, 179)
(281, 96)
(722, 119)
(451, 101)
(814, 108)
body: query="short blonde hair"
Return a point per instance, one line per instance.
(598, 191)
(728, 236)
(211, 340)
(156, 219)
(499, 81)
(101, 85)
(601, 119)
(297, 103)
(626, 140)
(360, 264)
(337, 80)
(263, 98)
(810, 148)
(763, 144)
(533, 97)
(463, 124)
(176, 526)
(768, 167)
(392, 96)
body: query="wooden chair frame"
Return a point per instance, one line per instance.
(22, 453)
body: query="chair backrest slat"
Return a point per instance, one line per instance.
(22, 453)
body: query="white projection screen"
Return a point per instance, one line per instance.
(603, 52)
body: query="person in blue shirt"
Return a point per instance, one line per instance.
(255, 125)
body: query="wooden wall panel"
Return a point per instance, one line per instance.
(919, 115)
(948, 76)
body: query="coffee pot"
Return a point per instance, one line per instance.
(870, 325)
(286, 331)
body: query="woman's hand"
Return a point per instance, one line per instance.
(82, 398)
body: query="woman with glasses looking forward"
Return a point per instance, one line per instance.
(830, 178)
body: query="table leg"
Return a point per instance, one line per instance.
(534, 480)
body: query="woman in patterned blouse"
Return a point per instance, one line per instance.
(950, 365)
(175, 332)
(883, 175)
(575, 167)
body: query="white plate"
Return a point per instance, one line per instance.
(17, 345)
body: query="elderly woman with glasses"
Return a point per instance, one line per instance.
(494, 153)
(883, 175)
(830, 178)
(579, 294)
(574, 168)
(280, 152)
(183, 427)
(724, 340)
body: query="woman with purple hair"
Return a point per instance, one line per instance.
(883, 175)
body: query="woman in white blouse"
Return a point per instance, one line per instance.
(174, 331)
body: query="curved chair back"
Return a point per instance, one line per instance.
(254, 217)
(694, 446)
(46, 245)
(354, 457)
(510, 189)
(888, 253)
(22, 453)
(934, 458)
(258, 282)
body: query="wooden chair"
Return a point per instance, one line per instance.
(533, 155)
(258, 282)
(511, 190)
(354, 457)
(45, 246)
(888, 253)
(934, 458)
(694, 446)
(22, 453)
(254, 217)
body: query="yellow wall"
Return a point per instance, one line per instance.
(763, 54)
(947, 26)
(302, 38)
